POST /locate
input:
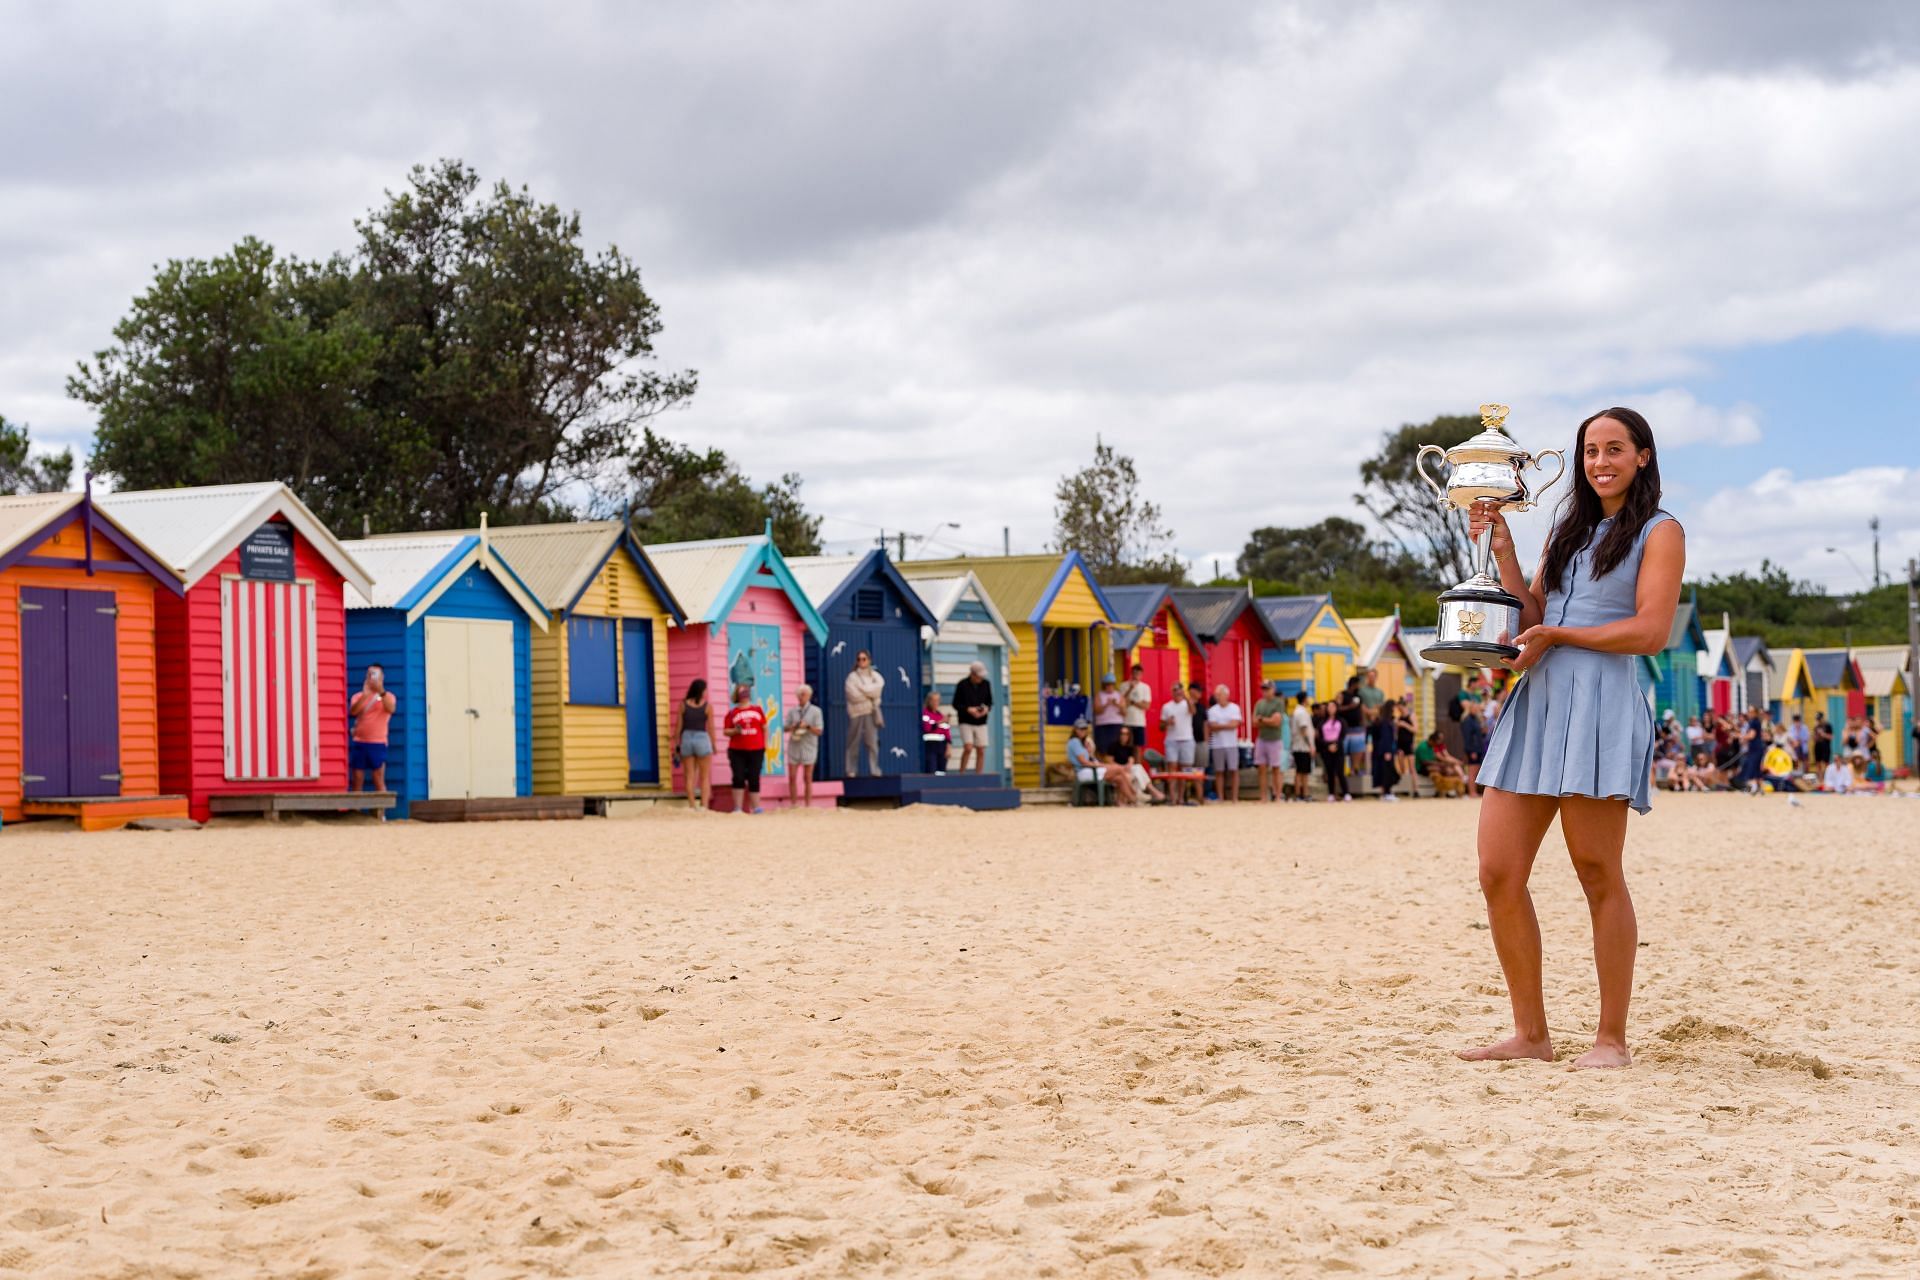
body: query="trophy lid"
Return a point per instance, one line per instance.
(1490, 443)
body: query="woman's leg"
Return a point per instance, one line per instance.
(1596, 832)
(1511, 828)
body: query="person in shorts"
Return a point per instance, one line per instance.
(696, 747)
(371, 709)
(1272, 729)
(1176, 727)
(804, 726)
(1223, 743)
(1352, 714)
(1302, 748)
(972, 710)
(746, 730)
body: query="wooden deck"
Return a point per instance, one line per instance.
(632, 804)
(271, 804)
(106, 813)
(499, 809)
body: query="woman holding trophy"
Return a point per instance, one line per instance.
(1577, 736)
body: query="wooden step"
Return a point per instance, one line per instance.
(105, 813)
(271, 804)
(498, 809)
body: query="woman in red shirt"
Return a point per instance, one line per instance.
(746, 730)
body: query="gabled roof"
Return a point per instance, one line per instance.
(1214, 611)
(192, 530)
(1023, 586)
(1830, 669)
(1686, 633)
(27, 520)
(1134, 607)
(943, 595)
(1883, 668)
(1374, 635)
(826, 578)
(1744, 647)
(1291, 617)
(558, 562)
(709, 577)
(411, 571)
(1717, 658)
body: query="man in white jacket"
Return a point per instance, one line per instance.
(865, 688)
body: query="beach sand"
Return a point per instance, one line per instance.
(1056, 1042)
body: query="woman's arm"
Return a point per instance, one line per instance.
(1656, 598)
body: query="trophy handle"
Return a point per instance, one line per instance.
(1558, 455)
(1420, 465)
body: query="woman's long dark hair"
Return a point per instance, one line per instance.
(696, 691)
(1580, 512)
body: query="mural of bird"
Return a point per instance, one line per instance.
(898, 752)
(903, 677)
(838, 646)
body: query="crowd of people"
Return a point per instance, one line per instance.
(1755, 755)
(1362, 742)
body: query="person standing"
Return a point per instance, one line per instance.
(1109, 714)
(1372, 696)
(1202, 754)
(1271, 728)
(1473, 743)
(1329, 739)
(935, 736)
(804, 728)
(1386, 772)
(1822, 741)
(746, 730)
(371, 710)
(696, 747)
(973, 708)
(1223, 743)
(1352, 714)
(865, 688)
(1301, 745)
(1136, 699)
(1576, 738)
(1176, 729)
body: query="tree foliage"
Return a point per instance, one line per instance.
(22, 472)
(1334, 548)
(685, 494)
(1783, 611)
(1392, 492)
(469, 354)
(1100, 512)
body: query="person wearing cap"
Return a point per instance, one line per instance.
(1109, 713)
(973, 710)
(1273, 728)
(1088, 767)
(1176, 728)
(1136, 695)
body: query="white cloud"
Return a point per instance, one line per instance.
(923, 255)
(1795, 519)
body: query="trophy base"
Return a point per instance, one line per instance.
(1478, 620)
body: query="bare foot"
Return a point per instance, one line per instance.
(1509, 1050)
(1603, 1056)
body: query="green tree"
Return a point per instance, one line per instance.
(686, 495)
(21, 472)
(1100, 512)
(1392, 492)
(469, 355)
(1334, 548)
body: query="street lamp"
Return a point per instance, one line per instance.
(1836, 551)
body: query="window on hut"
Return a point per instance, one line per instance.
(1062, 667)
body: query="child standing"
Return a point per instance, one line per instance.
(935, 736)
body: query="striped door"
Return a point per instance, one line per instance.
(270, 671)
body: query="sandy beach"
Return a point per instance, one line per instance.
(1051, 1043)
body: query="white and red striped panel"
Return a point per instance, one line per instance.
(270, 665)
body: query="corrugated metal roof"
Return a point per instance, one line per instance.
(1016, 583)
(1686, 630)
(696, 572)
(555, 560)
(23, 516)
(821, 576)
(1291, 616)
(399, 563)
(1211, 610)
(1135, 605)
(1881, 667)
(1744, 647)
(191, 530)
(943, 595)
(1371, 636)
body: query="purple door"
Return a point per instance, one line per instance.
(70, 712)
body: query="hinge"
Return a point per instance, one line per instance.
(25, 607)
(109, 777)
(31, 777)
(110, 608)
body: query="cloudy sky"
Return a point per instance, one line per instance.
(923, 253)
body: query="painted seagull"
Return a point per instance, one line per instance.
(903, 677)
(897, 751)
(835, 652)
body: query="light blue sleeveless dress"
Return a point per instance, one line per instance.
(1578, 723)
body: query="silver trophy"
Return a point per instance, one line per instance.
(1479, 618)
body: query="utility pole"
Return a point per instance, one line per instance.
(902, 543)
(1874, 524)
(1006, 540)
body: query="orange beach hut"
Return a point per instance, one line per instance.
(79, 732)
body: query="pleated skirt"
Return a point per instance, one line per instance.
(1578, 724)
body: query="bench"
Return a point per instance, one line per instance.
(271, 804)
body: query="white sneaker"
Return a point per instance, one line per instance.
(1389, 797)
